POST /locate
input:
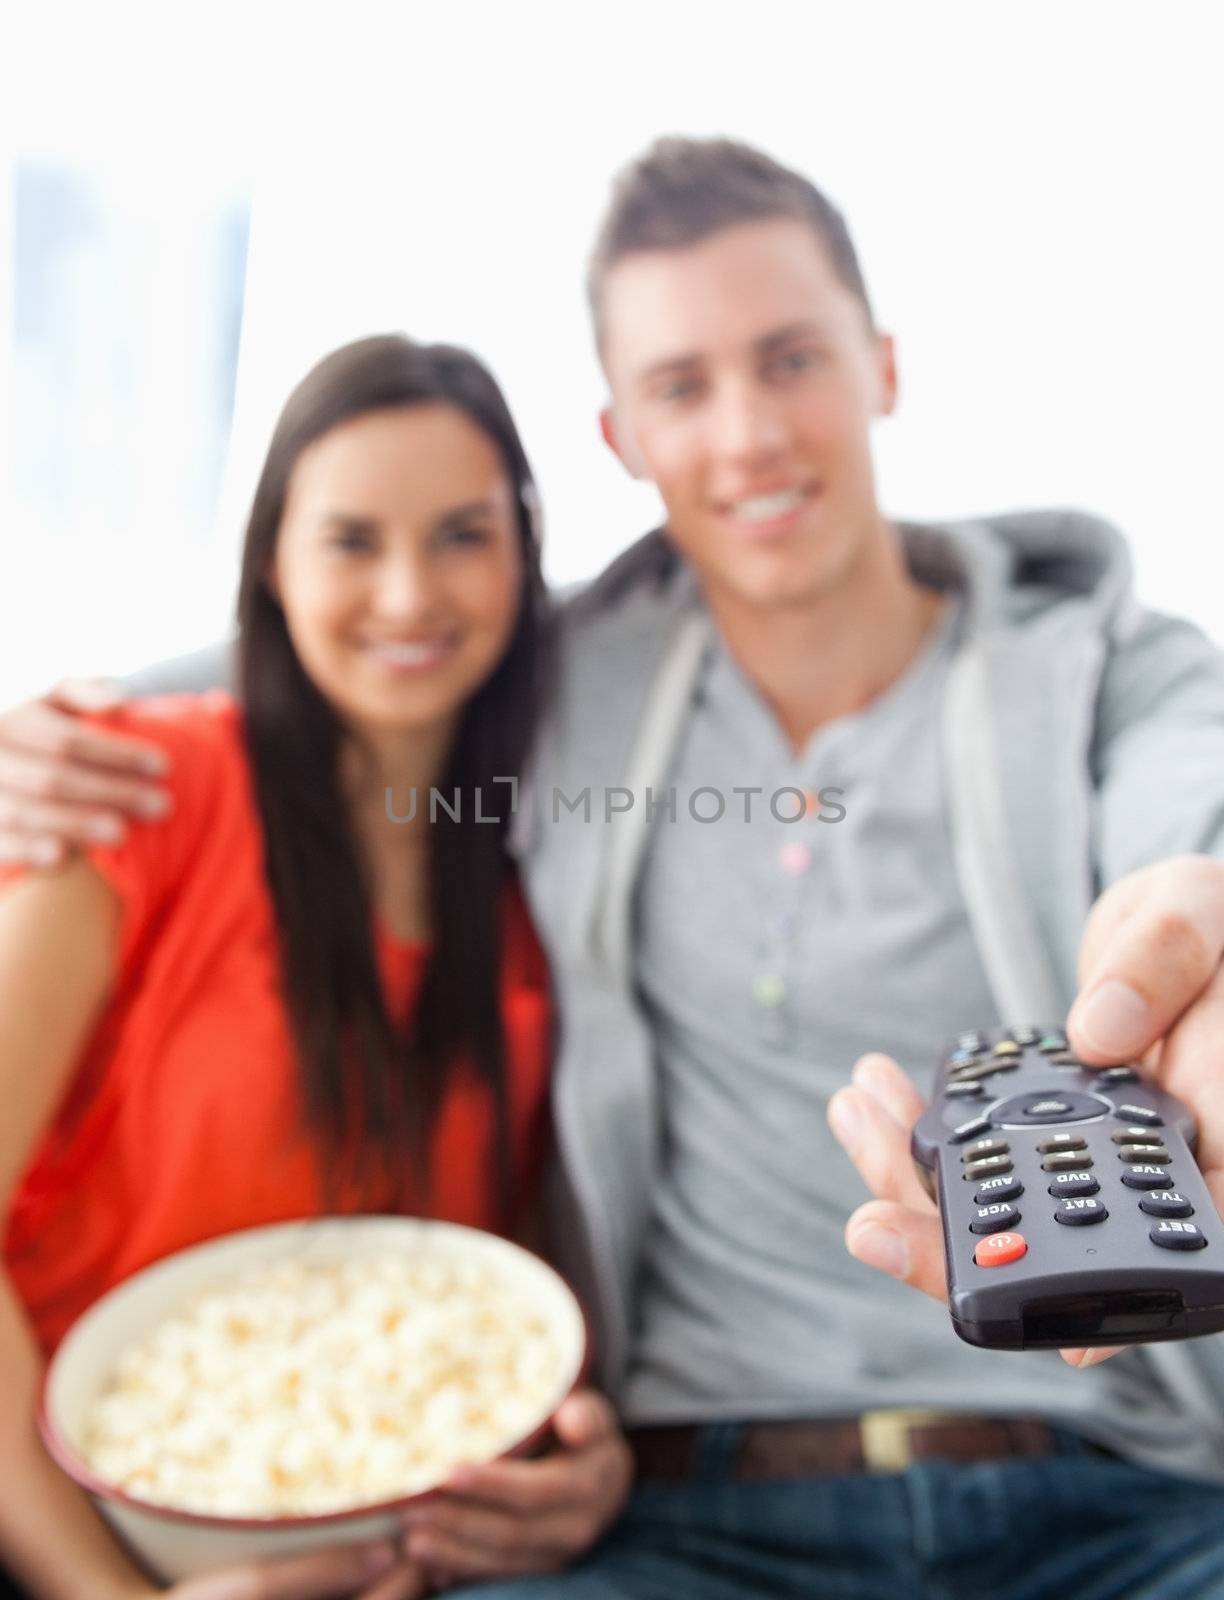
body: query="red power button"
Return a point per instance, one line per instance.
(997, 1249)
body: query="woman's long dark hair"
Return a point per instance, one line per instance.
(371, 1088)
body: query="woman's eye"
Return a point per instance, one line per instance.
(467, 534)
(350, 542)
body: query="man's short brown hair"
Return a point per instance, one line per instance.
(681, 191)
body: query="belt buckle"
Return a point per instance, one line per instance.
(885, 1437)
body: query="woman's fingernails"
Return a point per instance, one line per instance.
(104, 830)
(845, 1120)
(1113, 1020)
(881, 1248)
(45, 852)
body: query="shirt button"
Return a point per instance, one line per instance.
(796, 859)
(769, 990)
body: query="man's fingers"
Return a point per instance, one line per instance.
(30, 850)
(905, 1244)
(1111, 909)
(882, 1077)
(326, 1575)
(899, 1233)
(40, 729)
(52, 780)
(878, 1145)
(1090, 1358)
(1190, 1068)
(87, 694)
(30, 824)
(1151, 948)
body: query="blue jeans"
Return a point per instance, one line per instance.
(1073, 1526)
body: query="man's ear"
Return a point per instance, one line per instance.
(887, 358)
(619, 439)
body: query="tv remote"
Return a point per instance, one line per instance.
(1073, 1211)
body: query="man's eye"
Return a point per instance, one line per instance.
(678, 391)
(791, 362)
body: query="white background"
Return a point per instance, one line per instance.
(1035, 192)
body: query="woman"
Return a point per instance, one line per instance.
(287, 999)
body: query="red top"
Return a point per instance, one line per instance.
(182, 1121)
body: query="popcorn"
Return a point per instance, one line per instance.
(307, 1388)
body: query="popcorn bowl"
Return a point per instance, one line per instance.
(175, 1542)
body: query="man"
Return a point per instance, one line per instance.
(904, 762)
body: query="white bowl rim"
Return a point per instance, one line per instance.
(67, 1459)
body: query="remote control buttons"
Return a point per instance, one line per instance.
(1000, 1249)
(984, 1069)
(964, 1058)
(1051, 1043)
(962, 1091)
(1007, 1047)
(971, 1041)
(1026, 1034)
(1147, 1178)
(1169, 1204)
(1150, 1119)
(1133, 1135)
(1069, 1183)
(1062, 1141)
(1177, 1235)
(1005, 1187)
(989, 1167)
(985, 1147)
(969, 1130)
(994, 1218)
(1064, 1058)
(1144, 1152)
(1037, 1108)
(1066, 1161)
(1117, 1075)
(1080, 1212)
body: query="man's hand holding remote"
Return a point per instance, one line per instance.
(1151, 973)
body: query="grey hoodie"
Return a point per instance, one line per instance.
(1083, 737)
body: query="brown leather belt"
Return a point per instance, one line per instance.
(878, 1441)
